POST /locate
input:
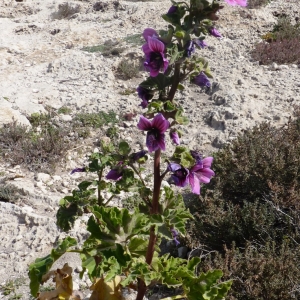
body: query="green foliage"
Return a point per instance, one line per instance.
(282, 44)
(97, 120)
(135, 39)
(122, 246)
(42, 265)
(110, 47)
(10, 287)
(64, 110)
(253, 213)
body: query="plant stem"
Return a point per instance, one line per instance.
(100, 199)
(154, 210)
(138, 174)
(176, 81)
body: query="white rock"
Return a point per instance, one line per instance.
(43, 177)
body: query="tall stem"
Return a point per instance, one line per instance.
(100, 199)
(154, 210)
(176, 81)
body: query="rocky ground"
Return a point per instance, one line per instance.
(43, 64)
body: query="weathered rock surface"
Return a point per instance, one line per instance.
(42, 63)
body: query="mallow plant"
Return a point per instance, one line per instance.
(122, 247)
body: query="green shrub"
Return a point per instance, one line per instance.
(248, 219)
(96, 120)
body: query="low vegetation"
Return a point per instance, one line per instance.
(247, 222)
(281, 45)
(41, 147)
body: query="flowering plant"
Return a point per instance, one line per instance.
(122, 249)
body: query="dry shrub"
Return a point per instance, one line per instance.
(252, 210)
(279, 51)
(282, 45)
(38, 151)
(256, 3)
(259, 272)
(66, 10)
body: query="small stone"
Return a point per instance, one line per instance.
(182, 252)
(35, 91)
(65, 184)
(43, 177)
(78, 269)
(56, 178)
(66, 118)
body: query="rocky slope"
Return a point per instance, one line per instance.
(42, 63)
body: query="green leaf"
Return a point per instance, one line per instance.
(183, 156)
(180, 119)
(169, 106)
(124, 148)
(114, 226)
(84, 185)
(42, 265)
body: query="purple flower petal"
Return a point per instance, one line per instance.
(200, 43)
(161, 141)
(205, 175)
(180, 174)
(174, 137)
(114, 174)
(207, 161)
(202, 80)
(144, 124)
(144, 104)
(78, 170)
(155, 45)
(174, 167)
(136, 156)
(146, 49)
(149, 32)
(214, 32)
(151, 141)
(237, 2)
(160, 123)
(195, 183)
(176, 241)
(172, 10)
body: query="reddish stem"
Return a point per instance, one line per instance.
(154, 210)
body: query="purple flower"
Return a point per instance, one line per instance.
(175, 234)
(145, 95)
(172, 10)
(114, 174)
(136, 156)
(149, 32)
(237, 2)
(190, 46)
(202, 80)
(156, 131)
(196, 155)
(214, 32)
(180, 174)
(175, 137)
(154, 52)
(200, 43)
(78, 170)
(199, 173)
